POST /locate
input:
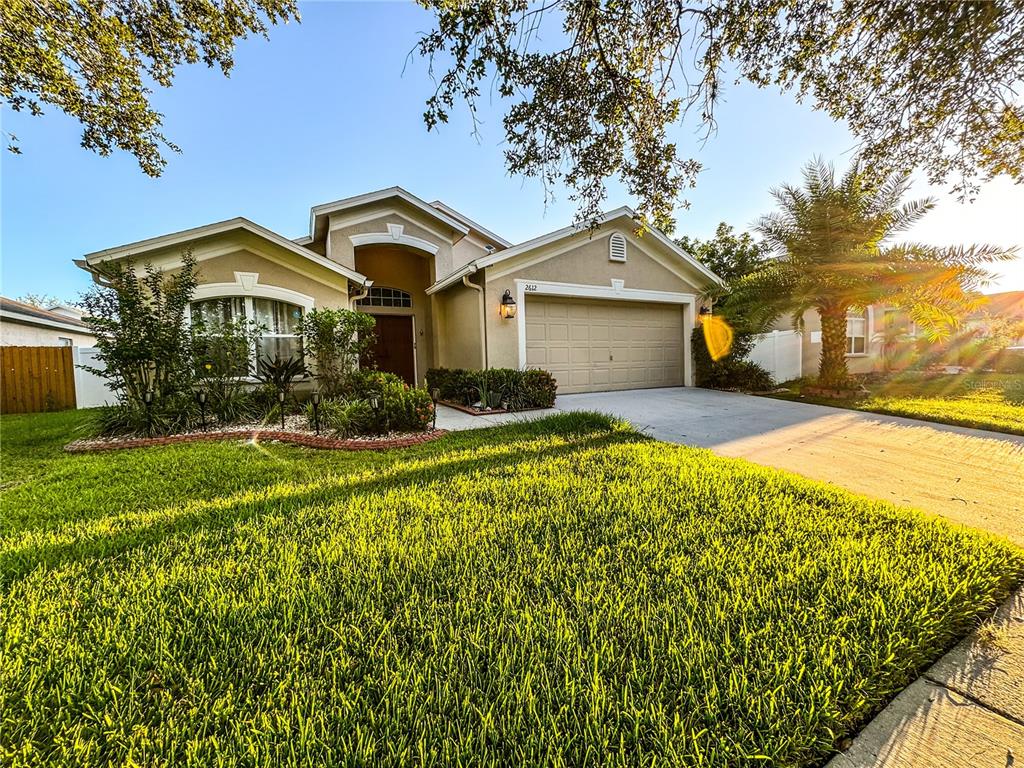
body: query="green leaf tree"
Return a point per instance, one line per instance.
(138, 317)
(336, 339)
(920, 85)
(98, 61)
(831, 237)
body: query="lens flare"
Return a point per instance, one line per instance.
(717, 336)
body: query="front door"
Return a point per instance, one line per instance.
(392, 349)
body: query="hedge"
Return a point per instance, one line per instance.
(531, 388)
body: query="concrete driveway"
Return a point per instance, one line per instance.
(969, 476)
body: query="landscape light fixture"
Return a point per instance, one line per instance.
(201, 399)
(281, 395)
(147, 398)
(435, 395)
(508, 305)
(315, 400)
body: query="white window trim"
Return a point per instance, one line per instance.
(615, 292)
(395, 234)
(247, 287)
(869, 332)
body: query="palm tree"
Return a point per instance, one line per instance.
(832, 255)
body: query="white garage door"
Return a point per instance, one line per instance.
(594, 346)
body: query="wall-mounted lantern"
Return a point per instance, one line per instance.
(508, 306)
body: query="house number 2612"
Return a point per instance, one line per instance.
(530, 287)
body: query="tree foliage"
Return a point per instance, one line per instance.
(99, 61)
(921, 85)
(42, 300)
(142, 339)
(336, 339)
(732, 256)
(831, 237)
(729, 254)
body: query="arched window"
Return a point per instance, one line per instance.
(616, 247)
(385, 297)
(278, 322)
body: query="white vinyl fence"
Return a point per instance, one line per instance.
(778, 352)
(90, 390)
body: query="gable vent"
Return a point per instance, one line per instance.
(616, 247)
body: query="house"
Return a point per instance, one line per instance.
(878, 338)
(601, 308)
(1005, 307)
(25, 325)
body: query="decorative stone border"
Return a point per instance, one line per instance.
(834, 394)
(295, 438)
(492, 412)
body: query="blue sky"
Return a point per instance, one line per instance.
(333, 107)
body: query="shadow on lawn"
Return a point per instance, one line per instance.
(116, 535)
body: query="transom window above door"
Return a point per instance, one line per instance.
(385, 297)
(278, 320)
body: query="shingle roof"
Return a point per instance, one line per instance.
(37, 313)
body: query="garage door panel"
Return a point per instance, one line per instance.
(594, 345)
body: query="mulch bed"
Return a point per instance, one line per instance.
(306, 439)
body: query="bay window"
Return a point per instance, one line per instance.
(278, 322)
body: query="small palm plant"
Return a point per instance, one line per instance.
(831, 242)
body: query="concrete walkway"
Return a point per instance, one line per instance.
(967, 711)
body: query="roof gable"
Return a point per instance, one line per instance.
(623, 213)
(187, 236)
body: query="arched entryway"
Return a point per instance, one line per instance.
(399, 303)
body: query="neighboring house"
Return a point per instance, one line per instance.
(1008, 305)
(601, 309)
(25, 325)
(867, 335)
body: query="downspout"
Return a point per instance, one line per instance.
(483, 316)
(363, 293)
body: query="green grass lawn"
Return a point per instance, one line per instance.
(562, 592)
(993, 401)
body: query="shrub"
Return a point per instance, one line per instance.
(345, 418)
(141, 334)
(400, 408)
(732, 371)
(168, 415)
(222, 353)
(457, 385)
(538, 388)
(531, 388)
(336, 339)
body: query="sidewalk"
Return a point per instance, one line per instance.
(967, 711)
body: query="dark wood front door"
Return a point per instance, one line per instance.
(392, 349)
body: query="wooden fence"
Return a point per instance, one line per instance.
(34, 379)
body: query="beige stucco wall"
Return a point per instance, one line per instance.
(220, 256)
(221, 269)
(17, 334)
(581, 260)
(400, 267)
(466, 250)
(374, 220)
(459, 338)
(810, 351)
